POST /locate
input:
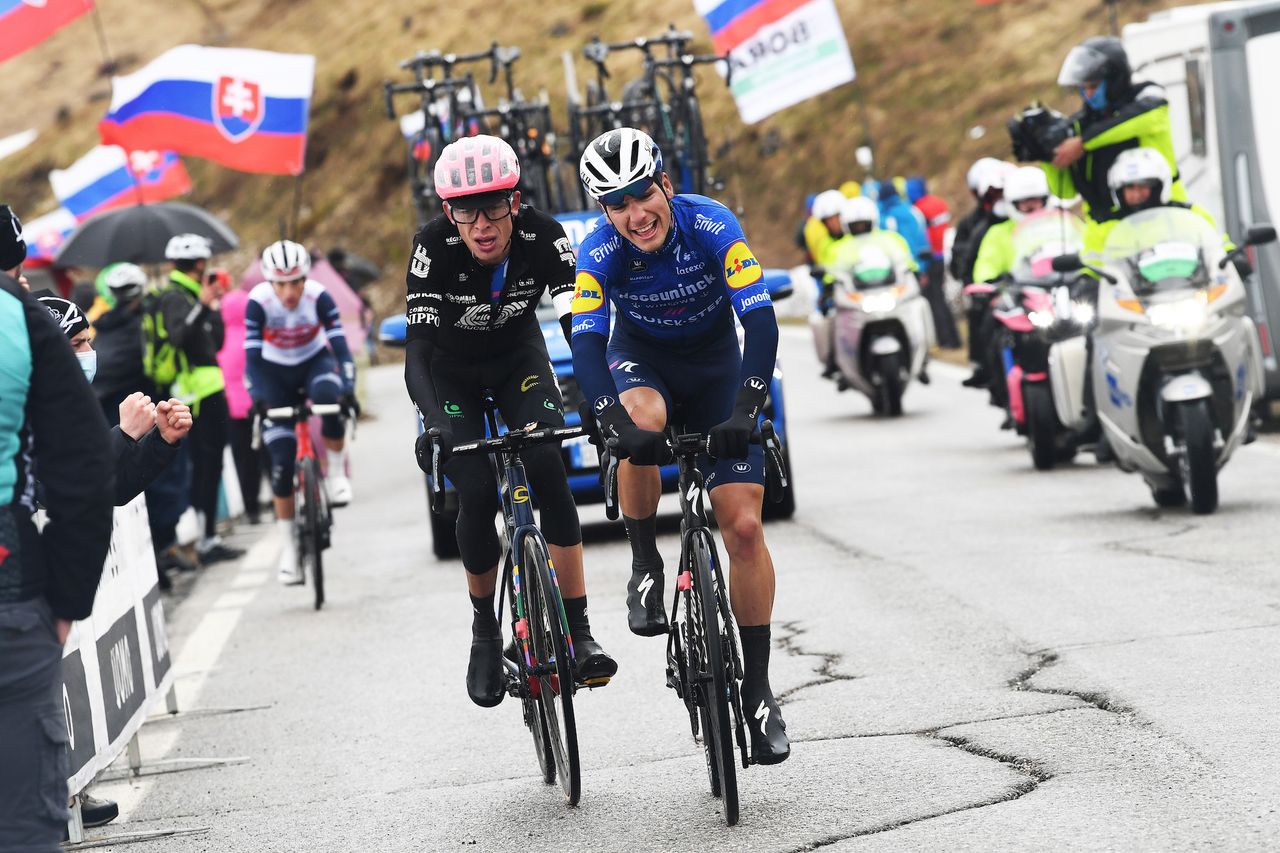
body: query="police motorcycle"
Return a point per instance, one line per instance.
(1177, 362)
(1044, 316)
(882, 325)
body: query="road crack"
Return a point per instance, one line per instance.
(1042, 661)
(826, 672)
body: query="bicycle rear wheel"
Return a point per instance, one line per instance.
(313, 513)
(553, 663)
(709, 639)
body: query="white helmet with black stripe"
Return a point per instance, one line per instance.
(618, 158)
(285, 260)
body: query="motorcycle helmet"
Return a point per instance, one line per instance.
(874, 268)
(285, 260)
(829, 203)
(1141, 166)
(1024, 184)
(616, 159)
(859, 215)
(1100, 60)
(979, 168)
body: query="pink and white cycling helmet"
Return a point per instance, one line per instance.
(474, 165)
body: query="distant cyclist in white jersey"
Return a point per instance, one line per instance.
(293, 334)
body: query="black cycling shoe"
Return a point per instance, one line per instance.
(768, 731)
(923, 376)
(593, 667)
(979, 379)
(486, 681)
(645, 613)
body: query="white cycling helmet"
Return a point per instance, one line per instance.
(188, 247)
(828, 203)
(1026, 182)
(860, 209)
(124, 280)
(617, 159)
(1141, 166)
(285, 260)
(979, 168)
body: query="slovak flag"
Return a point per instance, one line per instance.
(26, 23)
(109, 177)
(245, 109)
(45, 235)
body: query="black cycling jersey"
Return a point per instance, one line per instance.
(449, 296)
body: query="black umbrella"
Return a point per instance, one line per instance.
(139, 234)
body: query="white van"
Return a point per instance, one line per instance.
(1219, 64)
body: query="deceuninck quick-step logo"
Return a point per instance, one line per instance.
(453, 410)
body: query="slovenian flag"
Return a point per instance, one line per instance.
(734, 21)
(245, 109)
(26, 23)
(45, 235)
(109, 177)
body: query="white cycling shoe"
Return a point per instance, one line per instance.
(339, 490)
(288, 571)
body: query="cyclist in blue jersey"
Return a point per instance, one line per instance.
(678, 270)
(293, 334)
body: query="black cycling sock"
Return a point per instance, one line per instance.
(575, 610)
(755, 658)
(484, 623)
(643, 535)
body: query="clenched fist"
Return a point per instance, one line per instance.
(137, 415)
(173, 419)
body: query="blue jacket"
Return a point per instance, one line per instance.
(897, 215)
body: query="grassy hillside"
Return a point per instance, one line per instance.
(929, 69)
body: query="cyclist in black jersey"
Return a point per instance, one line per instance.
(474, 280)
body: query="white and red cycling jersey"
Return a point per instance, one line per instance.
(292, 337)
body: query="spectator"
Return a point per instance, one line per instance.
(937, 219)
(184, 334)
(50, 422)
(240, 404)
(118, 339)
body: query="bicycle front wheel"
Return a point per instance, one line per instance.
(708, 634)
(312, 513)
(553, 663)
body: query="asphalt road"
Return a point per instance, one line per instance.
(974, 656)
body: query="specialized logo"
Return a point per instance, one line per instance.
(762, 714)
(528, 382)
(626, 366)
(520, 495)
(644, 587)
(238, 107)
(453, 410)
(421, 263)
(740, 266)
(587, 294)
(603, 403)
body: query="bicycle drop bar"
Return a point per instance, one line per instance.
(321, 409)
(515, 440)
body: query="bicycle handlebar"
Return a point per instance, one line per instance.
(423, 88)
(321, 409)
(514, 440)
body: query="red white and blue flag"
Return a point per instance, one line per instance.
(245, 109)
(109, 177)
(782, 51)
(45, 235)
(26, 23)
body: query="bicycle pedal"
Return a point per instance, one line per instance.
(593, 683)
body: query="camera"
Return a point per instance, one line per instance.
(1037, 131)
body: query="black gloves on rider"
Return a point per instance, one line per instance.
(732, 439)
(423, 447)
(641, 446)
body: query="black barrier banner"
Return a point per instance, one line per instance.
(158, 637)
(120, 667)
(75, 701)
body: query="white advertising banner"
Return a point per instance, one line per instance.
(116, 662)
(782, 51)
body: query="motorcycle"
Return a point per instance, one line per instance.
(1042, 314)
(1177, 362)
(882, 327)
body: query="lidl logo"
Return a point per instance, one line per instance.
(740, 266)
(587, 294)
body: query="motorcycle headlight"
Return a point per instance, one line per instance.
(879, 303)
(1182, 314)
(1082, 313)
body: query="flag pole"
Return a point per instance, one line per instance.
(108, 63)
(297, 204)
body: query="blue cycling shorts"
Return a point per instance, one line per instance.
(698, 382)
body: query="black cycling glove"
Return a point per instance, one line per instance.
(641, 446)
(423, 448)
(732, 439)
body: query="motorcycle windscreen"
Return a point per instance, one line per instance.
(1164, 249)
(1040, 238)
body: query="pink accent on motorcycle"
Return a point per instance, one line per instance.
(979, 288)
(1016, 408)
(1015, 321)
(1036, 377)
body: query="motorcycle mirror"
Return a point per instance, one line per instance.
(1259, 234)
(1067, 263)
(781, 292)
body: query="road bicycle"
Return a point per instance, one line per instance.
(539, 664)
(704, 665)
(313, 517)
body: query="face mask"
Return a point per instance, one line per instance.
(88, 363)
(1001, 209)
(1099, 99)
